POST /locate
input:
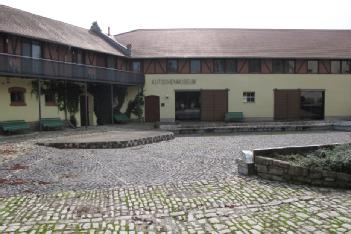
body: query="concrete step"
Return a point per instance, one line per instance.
(258, 127)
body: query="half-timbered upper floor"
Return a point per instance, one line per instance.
(262, 51)
(31, 43)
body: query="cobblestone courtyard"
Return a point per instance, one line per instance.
(189, 183)
(223, 206)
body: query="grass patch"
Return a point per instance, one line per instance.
(336, 159)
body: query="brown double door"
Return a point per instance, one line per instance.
(214, 104)
(152, 108)
(287, 104)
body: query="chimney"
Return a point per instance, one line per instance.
(129, 47)
(108, 31)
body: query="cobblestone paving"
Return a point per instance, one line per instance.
(188, 185)
(238, 205)
(182, 159)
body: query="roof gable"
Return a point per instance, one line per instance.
(26, 24)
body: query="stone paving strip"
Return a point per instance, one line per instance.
(109, 140)
(236, 205)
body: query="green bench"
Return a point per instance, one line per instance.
(14, 126)
(120, 118)
(51, 123)
(234, 117)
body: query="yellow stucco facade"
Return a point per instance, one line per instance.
(30, 111)
(337, 94)
(337, 91)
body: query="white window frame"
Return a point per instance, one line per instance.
(249, 96)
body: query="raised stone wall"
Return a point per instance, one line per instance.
(274, 169)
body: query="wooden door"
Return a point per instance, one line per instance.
(280, 105)
(286, 104)
(152, 108)
(206, 98)
(214, 105)
(293, 105)
(220, 104)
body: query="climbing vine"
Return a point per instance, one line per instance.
(62, 92)
(121, 93)
(136, 106)
(71, 93)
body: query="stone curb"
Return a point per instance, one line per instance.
(109, 144)
(258, 128)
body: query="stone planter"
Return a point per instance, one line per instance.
(274, 169)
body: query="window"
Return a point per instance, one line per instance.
(249, 97)
(122, 65)
(36, 49)
(312, 105)
(346, 66)
(289, 66)
(3, 43)
(26, 48)
(335, 67)
(230, 66)
(50, 99)
(17, 96)
(172, 66)
(219, 66)
(31, 49)
(195, 66)
(312, 66)
(136, 66)
(254, 65)
(111, 62)
(77, 56)
(187, 105)
(283, 66)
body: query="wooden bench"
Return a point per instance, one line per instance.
(14, 126)
(120, 118)
(234, 117)
(51, 123)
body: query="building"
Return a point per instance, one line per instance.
(186, 74)
(77, 69)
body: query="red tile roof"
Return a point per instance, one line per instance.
(269, 43)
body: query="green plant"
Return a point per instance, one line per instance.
(121, 93)
(336, 159)
(136, 106)
(67, 94)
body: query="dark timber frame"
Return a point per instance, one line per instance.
(39, 102)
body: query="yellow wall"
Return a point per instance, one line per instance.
(337, 91)
(337, 94)
(29, 112)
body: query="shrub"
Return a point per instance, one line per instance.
(336, 159)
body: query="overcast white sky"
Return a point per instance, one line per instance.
(128, 15)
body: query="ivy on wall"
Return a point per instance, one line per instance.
(71, 93)
(136, 106)
(121, 93)
(61, 91)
